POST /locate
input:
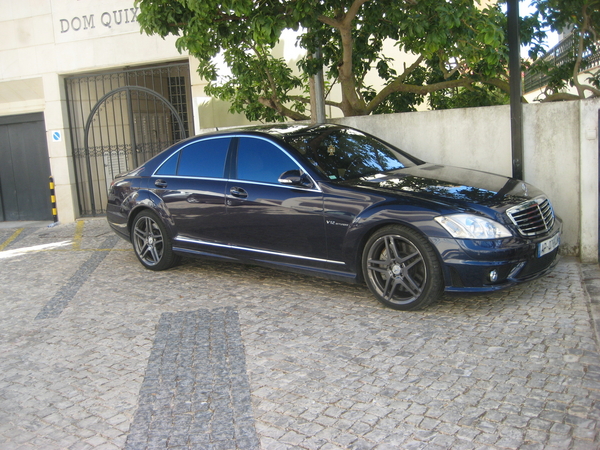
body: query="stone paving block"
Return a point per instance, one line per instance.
(195, 352)
(529, 354)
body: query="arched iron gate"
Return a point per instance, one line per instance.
(125, 127)
(131, 145)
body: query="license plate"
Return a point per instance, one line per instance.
(548, 245)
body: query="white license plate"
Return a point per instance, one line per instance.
(548, 245)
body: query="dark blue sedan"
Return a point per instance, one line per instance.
(334, 201)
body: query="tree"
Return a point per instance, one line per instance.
(583, 18)
(462, 43)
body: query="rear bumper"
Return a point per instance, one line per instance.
(118, 225)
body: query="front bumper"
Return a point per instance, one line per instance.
(479, 266)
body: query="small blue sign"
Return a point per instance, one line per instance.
(56, 136)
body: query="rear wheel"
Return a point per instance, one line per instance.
(401, 268)
(151, 242)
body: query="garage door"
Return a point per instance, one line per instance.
(24, 168)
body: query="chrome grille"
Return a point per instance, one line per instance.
(533, 217)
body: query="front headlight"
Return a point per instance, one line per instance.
(469, 226)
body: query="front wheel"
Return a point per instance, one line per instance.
(401, 268)
(151, 242)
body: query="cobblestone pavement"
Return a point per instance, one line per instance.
(97, 352)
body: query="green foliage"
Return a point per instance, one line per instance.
(582, 17)
(476, 94)
(467, 43)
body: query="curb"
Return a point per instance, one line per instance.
(591, 281)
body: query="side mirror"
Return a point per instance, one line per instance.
(295, 178)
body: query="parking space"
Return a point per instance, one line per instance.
(97, 352)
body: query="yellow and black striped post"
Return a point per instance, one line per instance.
(53, 200)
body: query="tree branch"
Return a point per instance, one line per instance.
(561, 96)
(277, 106)
(351, 103)
(579, 58)
(593, 90)
(298, 98)
(274, 102)
(353, 11)
(399, 86)
(500, 84)
(394, 86)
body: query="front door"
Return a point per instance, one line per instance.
(267, 217)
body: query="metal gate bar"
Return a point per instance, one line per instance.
(128, 129)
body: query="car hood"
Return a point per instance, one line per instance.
(452, 185)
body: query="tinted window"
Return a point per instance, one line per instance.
(169, 167)
(204, 158)
(260, 160)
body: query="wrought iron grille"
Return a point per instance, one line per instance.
(562, 53)
(127, 129)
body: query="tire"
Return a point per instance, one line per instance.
(401, 268)
(151, 243)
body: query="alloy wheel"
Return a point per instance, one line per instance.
(397, 269)
(148, 241)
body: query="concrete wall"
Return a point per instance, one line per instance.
(552, 162)
(588, 179)
(560, 153)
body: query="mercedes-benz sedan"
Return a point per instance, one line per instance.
(334, 201)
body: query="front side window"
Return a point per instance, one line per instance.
(259, 160)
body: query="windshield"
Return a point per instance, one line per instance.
(345, 154)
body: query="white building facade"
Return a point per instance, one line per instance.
(83, 96)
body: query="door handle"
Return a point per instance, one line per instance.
(160, 184)
(238, 192)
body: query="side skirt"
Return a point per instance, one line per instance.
(337, 275)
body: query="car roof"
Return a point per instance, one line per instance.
(277, 130)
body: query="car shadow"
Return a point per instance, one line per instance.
(259, 277)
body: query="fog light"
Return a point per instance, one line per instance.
(493, 275)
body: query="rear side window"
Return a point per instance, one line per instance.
(260, 160)
(169, 167)
(204, 158)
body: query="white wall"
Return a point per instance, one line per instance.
(551, 161)
(70, 36)
(589, 176)
(560, 153)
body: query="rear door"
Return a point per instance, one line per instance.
(192, 187)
